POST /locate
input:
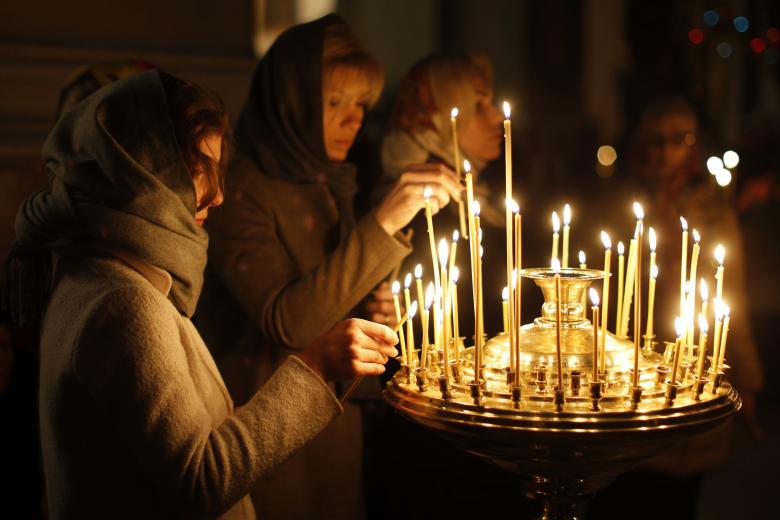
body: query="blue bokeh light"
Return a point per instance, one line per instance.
(711, 18)
(741, 24)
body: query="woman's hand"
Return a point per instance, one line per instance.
(406, 197)
(350, 349)
(378, 306)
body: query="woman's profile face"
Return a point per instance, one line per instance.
(481, 136)
(212, 147)
(345, 95)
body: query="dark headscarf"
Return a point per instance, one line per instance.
(116, 180)
(280, 126)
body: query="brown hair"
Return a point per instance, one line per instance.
(437, 83)
(340, 49)
(198, 113)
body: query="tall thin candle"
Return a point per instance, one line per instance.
(640, 214)
(556, 226)
(556, 267)
(703, 327)
(395, 289)
(683, 263)
(692, 281)
(628, 291)
(605, 293)
(719, 313)
(680, 329)
(431, 235)
(594, 299)
(723, 335)
(566, 230)
(583, 265)
(409, 330)
(651, 301)
(456, 154)
(426, 313)
(516, 278)
(621, 249)
(509, 221)
(720, 256)
(704, 293)
(454, 275)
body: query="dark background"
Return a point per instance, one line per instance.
(577, 74)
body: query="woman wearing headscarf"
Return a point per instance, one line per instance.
(135, 419)
(290, 258)
(420, 133)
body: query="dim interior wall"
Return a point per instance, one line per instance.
(43, 41)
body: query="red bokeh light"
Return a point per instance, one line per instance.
(696, 36)
(773, 35)
(758, 45)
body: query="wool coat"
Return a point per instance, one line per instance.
(280, 277)
(136, 421)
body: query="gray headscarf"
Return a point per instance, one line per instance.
(117, 179)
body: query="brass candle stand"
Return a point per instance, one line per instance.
(567, 438)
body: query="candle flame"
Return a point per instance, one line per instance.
(605, 240)
(652, 239)
(581, 256)
(679, 327)
(418, 271)
(455, 236)
(594, 297)
(466, 166)
(444, 252)
(718, 308)
(726, 310)
(684, 223)
(412, 310)
(505, 294)
(476, 208)
(654, 272)
(703, 325)
(427, 193)
(556, 222)
(454, 112)
(555, 264)
(506, 110)
(566, 215)
(696, 236)
(481, 251)
(408, 280)
(720, 254)
(454, 275)
(621, 248)
(513, 206)
(396, 287)
(703, 290)
(429, 293)
(638, 211)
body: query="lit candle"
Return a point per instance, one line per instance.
(703, 327)
(395, 289)
(473, 244)
(566, 223)
(425, 316)
(445, 322)
(621, 249)
(683, 263)
(640, 214)
(692, 281)
(583, 265)
(705, 294)
(516, 279)
(556, 226)
(719, 313)
(689, 288)
(454, 275)
(605, 293)
(509, 221)
(431, 236)
(679, 327)
(478, 320)
(651, 301)
(556, 267)
(409, 332)
(436, 317)
(453, 249)
(723, 335)
(720, 256)
(628, 291)
(594, 299)
(456, 153)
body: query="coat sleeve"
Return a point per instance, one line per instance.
(131, 360)
(289, 308)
